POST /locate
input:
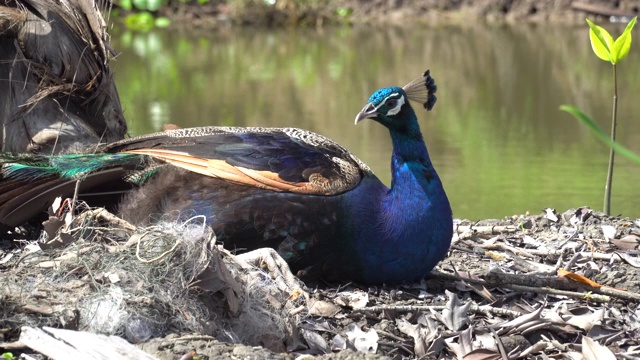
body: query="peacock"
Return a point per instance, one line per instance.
(318, 205)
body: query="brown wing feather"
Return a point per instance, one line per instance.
(237, 174)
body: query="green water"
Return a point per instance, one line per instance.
(496, 135)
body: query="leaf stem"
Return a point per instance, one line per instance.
(607, 186)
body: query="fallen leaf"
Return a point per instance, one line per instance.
(609, 232)
(631, 260)
(496, 255)
(586, 321)
(629, 242)
(482, 354)
(353, 299)
(189, 355)
(317, 325)
(551, 214)
(407, 328)
(592, 350)
(323, 308)
(528, 240)
(51, 226)
(454, 316)
(578, 278)
(485, 341)
(112, 277)
(315, 341)
(463, 347)
(365, 342)
(295, 294)
(581, 215)
(338, 343)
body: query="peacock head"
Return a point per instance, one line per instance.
(390, 106)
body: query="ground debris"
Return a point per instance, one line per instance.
(530, 286)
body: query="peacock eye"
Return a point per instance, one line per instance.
(392, 103)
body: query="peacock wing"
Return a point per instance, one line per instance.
(277, 159)
(22, 200)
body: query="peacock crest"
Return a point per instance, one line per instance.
(422, 90)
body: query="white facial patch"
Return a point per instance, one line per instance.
(399, 104)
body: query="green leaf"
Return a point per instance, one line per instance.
(601, 41)
(621, 47)
(126, 5)
(623, 43)
(344, 12)
(140, 4)
(142, 21)
(162, 22)
(154, 5)
(7, 356)
(631, 24)
(591, 125)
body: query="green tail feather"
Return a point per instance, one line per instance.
(68, 166)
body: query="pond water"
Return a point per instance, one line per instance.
(496, 135)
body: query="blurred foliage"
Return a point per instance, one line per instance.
(144, 15)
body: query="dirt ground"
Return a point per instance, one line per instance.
(529, 286)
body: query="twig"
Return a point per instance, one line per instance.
(553, 253)
(390, 335)
(544, 284)
(505, 247)
(466, 231)
(571, 294)
(102, 213)
(194, 337)
(556, 283)
(474, 308)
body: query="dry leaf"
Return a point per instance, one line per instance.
(51, 227)
(592, 350)
(323, 308)
(496, 255)
(464, 346)
(352, 299)
(587, 321)
(609, 232)
(629, 242)
(578, 278)
(295, 294)
(454, 316)
(365, 342)
(315, 341)
(338, 343)
(551, 214)
(631, 260)
(482, 354)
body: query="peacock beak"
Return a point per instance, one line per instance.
(369, 111)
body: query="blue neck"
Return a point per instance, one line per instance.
(413, 221)
(410, 161)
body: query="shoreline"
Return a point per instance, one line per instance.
(353, 12)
